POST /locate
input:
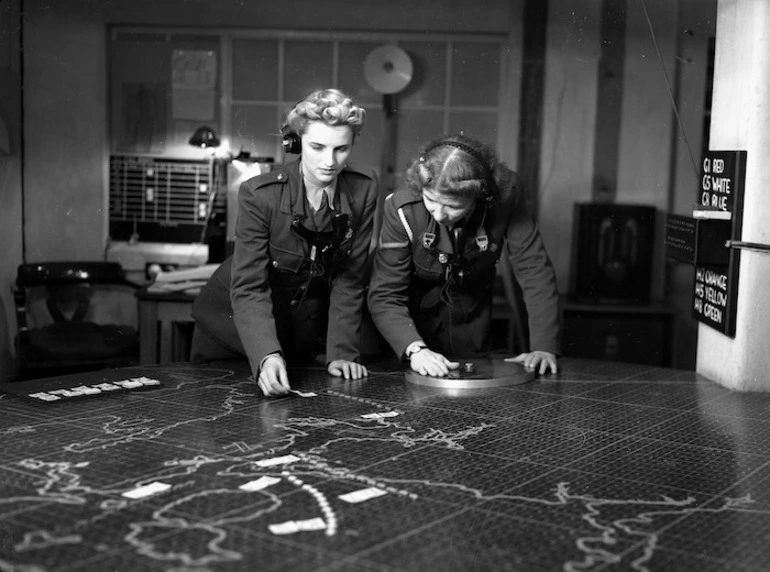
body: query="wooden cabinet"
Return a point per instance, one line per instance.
(640, 334)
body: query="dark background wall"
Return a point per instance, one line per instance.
(587, 110)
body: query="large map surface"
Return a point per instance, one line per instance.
(603, 467)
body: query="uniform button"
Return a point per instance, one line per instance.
(280, 176)
(275, 264)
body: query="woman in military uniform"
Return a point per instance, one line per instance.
(431, 288)
(297, 274)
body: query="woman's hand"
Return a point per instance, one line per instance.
(347, 369)
(540, 361)
(273, 379)
(427, 362)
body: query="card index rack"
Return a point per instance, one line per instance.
(163, 200)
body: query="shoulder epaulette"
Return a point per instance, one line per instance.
(404, 197)
(277, 175)
(361, 169)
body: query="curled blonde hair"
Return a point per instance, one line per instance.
(328, 105)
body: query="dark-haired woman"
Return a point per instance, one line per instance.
(430, 293)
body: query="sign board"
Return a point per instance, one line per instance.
(714, 299)
(722, 179)
(718, 216)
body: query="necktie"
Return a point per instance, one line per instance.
(321, 217)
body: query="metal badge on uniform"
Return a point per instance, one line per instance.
(482, 242)
(349, 234)
(313, 252)
(428, 238)
(443, 258)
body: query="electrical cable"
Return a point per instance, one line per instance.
(670, 90)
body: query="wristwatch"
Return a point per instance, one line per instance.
(413, 348)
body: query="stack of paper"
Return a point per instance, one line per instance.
(190, 280)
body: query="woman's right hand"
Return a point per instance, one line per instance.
(273, 379)
(427, 362)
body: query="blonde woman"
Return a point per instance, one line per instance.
(294, 287)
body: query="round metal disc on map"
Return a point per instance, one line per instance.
(476, 374)
(388, 69)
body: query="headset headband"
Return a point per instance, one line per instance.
(488, 195)
(462, 147)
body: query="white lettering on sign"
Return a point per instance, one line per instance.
(714, 279)
(720, 185)
(712, 313)
(716, 184)
(719, 202)
(699, 289)
(715, 296)
(711, 298)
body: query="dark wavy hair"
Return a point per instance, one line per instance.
(459, 166)
(328, 105)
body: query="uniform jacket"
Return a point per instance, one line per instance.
(269, 256)
(408, 299)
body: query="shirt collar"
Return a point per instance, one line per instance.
(330, 189)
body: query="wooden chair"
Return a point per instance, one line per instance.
(74, 316)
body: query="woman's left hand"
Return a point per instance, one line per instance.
(537, 361)
(347, 369)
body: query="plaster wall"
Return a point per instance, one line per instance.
(741, 120)
(10, 178)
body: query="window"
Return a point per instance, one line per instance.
(161, 90)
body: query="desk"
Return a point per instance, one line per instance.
(607, 466)
(159, 316)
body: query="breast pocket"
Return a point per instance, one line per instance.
(481, 263)
(286, 261)
(427, 267)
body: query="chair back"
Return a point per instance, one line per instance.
(74, 316)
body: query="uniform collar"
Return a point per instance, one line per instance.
(330, 190)
(293, 200)
(474, 223)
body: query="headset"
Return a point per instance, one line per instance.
(291, 141)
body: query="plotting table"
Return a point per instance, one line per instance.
(606, 466)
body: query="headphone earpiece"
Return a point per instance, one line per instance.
(291, 143)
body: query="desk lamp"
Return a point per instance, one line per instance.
(204, 137)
